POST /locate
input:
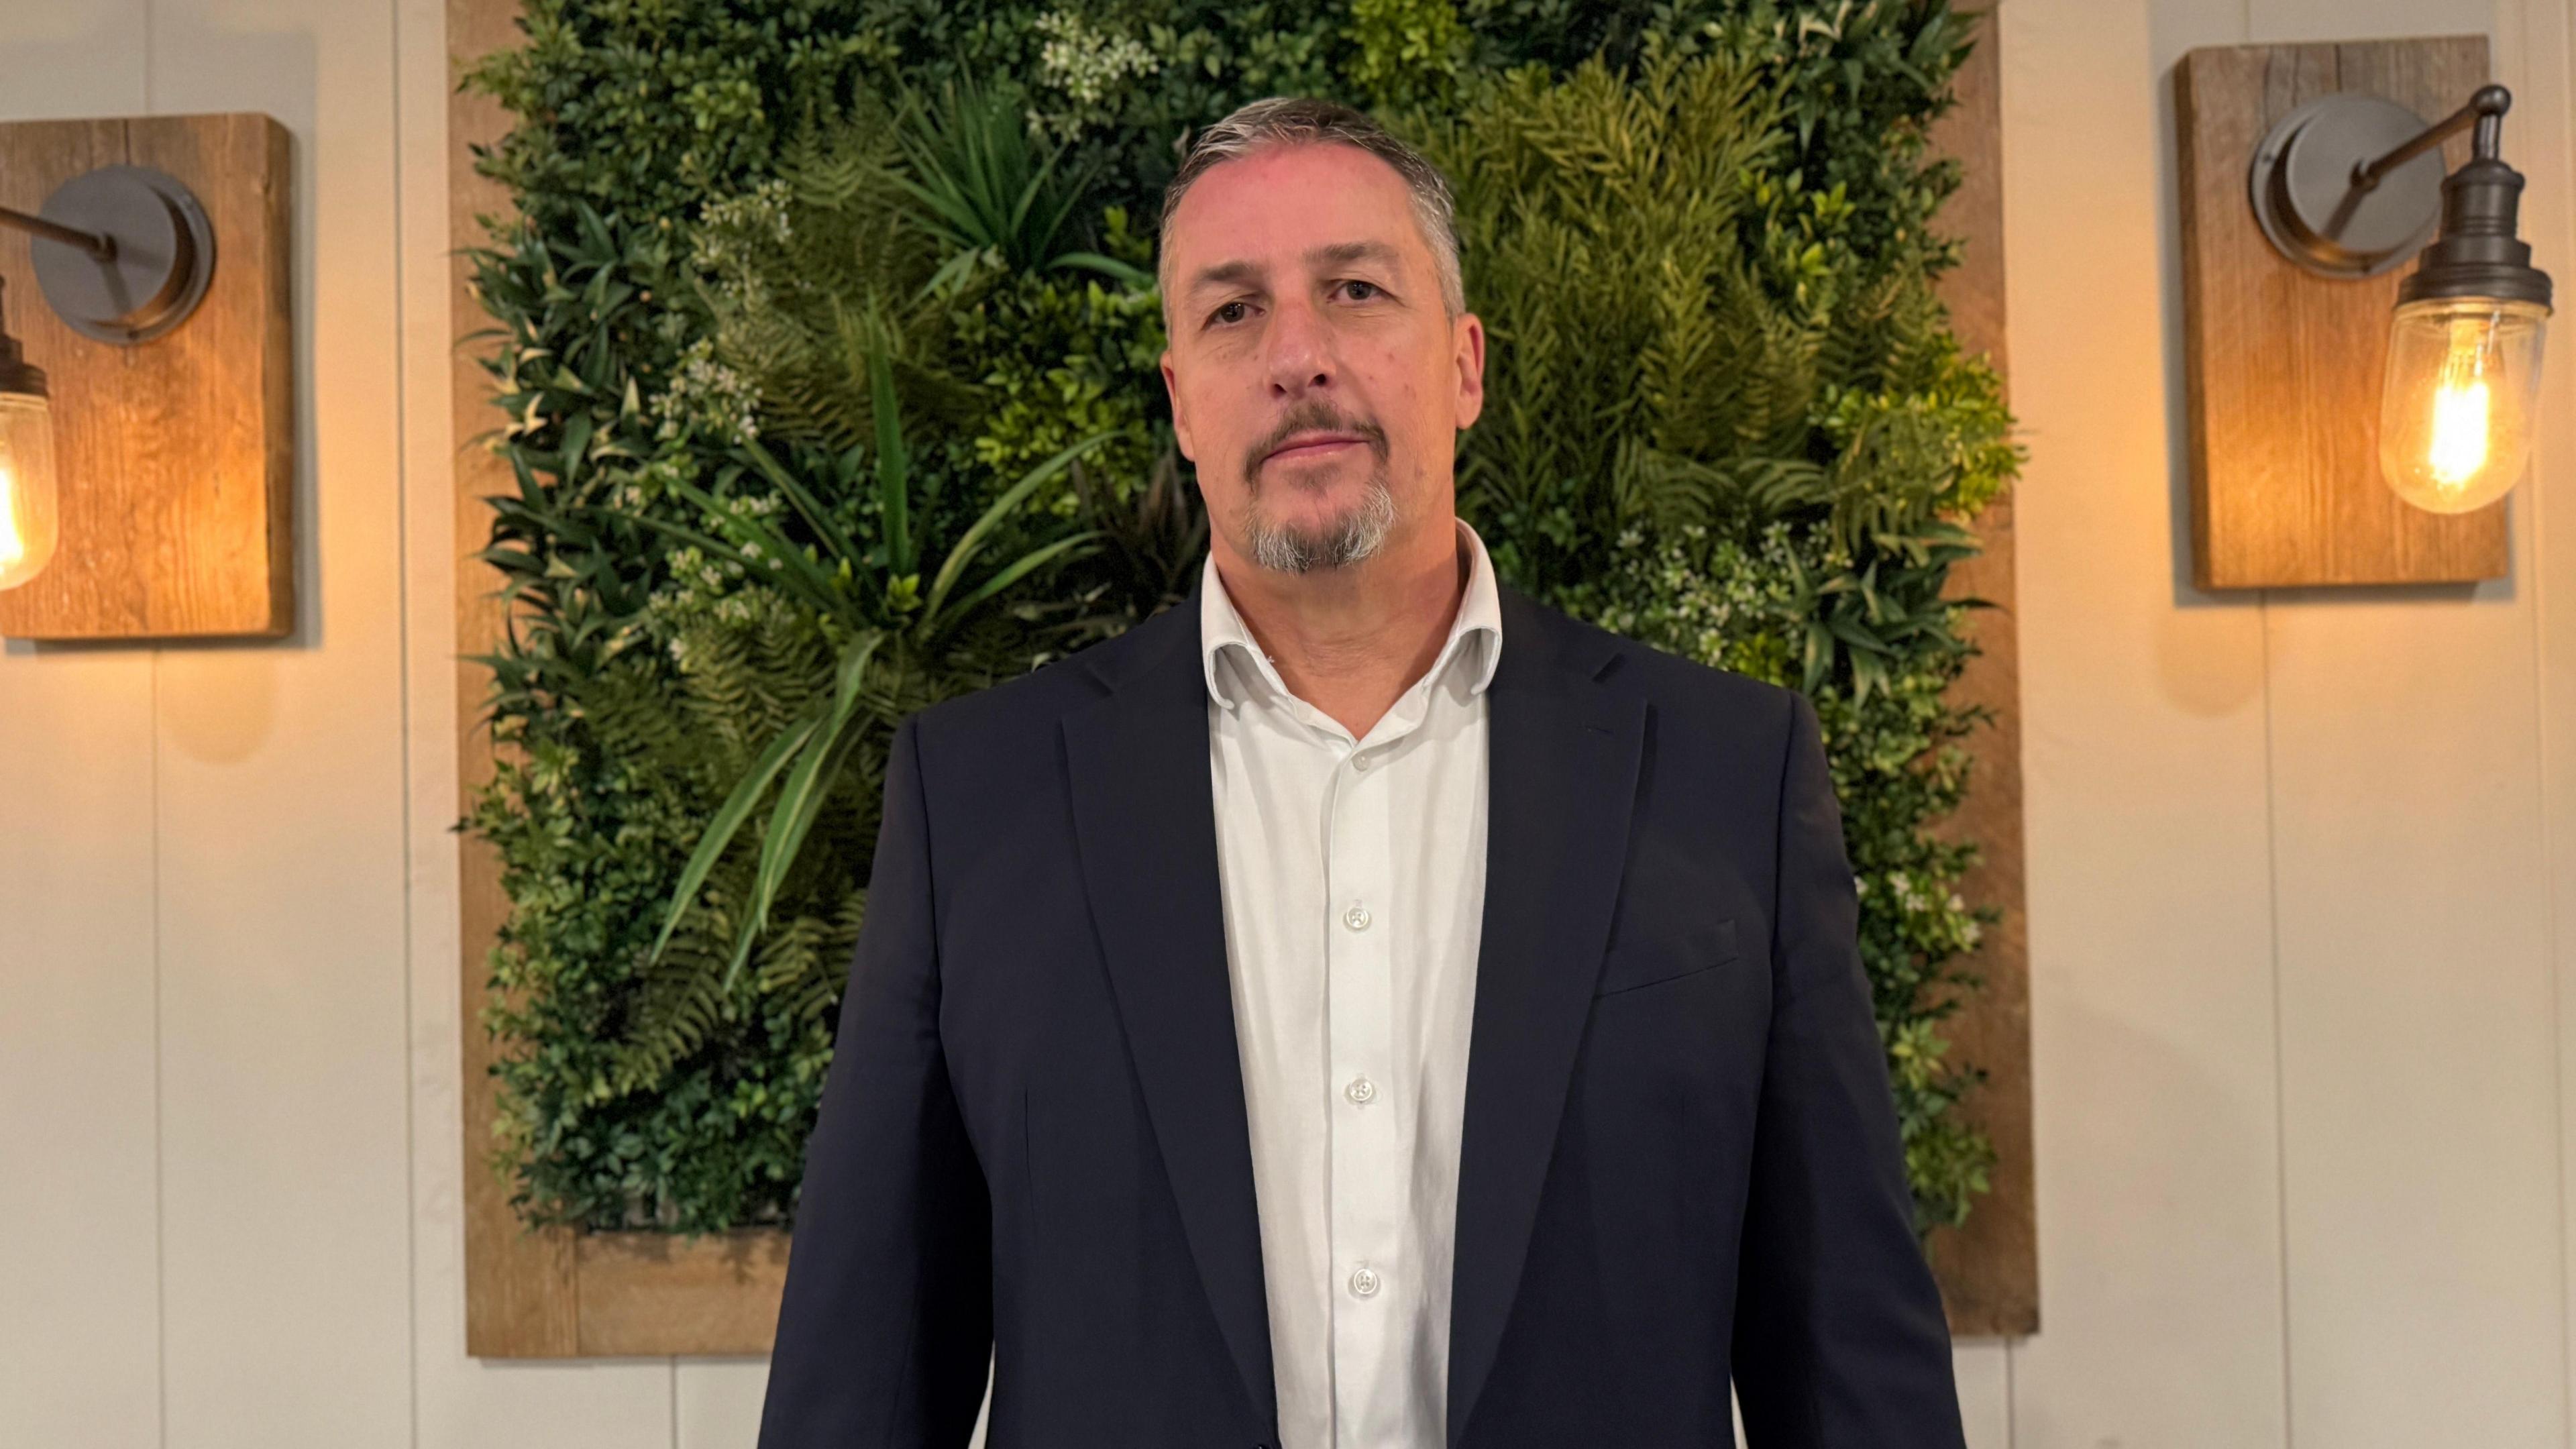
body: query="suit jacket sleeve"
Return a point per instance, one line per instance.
(885, 1327)
(1840, 1341)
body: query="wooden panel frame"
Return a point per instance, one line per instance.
(2282, 366)
(176, 457)
(552, 1292)
(556, 1293)
(1989, 1267)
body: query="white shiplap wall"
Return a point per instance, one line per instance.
(2295, 859)
(2296, 1021)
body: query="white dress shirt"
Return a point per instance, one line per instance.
(1353, 875)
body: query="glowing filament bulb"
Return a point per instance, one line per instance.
(2457, 399)
(2459, 444)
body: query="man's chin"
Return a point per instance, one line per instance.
(1319, 549)
(1321, 520)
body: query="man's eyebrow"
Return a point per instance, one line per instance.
(1330, 254)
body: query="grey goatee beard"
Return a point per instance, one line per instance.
(1349, 539)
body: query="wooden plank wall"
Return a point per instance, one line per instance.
(2298, 862)
(205, 1069)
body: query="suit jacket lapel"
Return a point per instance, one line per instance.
(1145, 826)
(1563, 759)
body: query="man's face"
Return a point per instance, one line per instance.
(1304, 301)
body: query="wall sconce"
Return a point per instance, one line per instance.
(124, 256)
(2348, 424)
(147, 409)
(2350, 185)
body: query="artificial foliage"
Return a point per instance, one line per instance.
(825, 341)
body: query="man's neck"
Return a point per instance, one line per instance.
(1351, 641)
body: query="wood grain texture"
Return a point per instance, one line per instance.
(176, 457)
(521, 1298)
(1989, 1267)
(2282, 367)
(650, 1293)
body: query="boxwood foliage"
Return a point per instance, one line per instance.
(798, 298)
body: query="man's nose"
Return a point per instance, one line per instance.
(1300, 349)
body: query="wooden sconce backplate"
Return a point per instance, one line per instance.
(2283, 366)
(176, 456)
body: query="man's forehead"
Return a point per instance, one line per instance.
(1283, 190)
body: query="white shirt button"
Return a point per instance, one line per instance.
(1361, 1090)
(1357, 917)
(1360, 761)
(1364, 1282)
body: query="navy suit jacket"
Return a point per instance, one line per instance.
(1680, 1156)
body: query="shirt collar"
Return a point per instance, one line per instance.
(1479, 621)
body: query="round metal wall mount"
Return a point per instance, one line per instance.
(2304, 196)
(165, 254)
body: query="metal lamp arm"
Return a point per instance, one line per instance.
(99, 245)
(2486, 108)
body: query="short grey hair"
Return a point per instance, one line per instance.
(1305, 120)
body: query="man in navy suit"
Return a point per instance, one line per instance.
(1364, 1008)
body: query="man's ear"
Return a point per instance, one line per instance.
(1180, 416)
(1468, 336)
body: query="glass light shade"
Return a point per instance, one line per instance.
(27, 511)
(2456, 403)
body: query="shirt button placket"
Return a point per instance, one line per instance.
(1367, 1180)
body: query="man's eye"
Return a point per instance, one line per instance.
(1356, 282)
(1219, 314)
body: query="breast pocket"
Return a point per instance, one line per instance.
(1654, 960)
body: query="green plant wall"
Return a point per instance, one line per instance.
(825, 340)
